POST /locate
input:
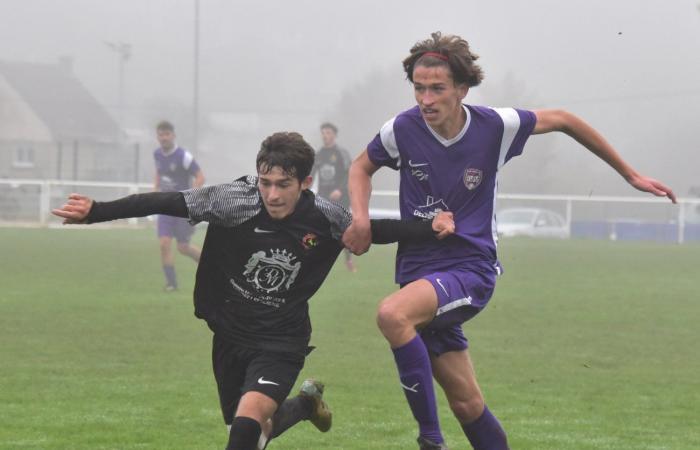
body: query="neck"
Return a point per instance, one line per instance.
(453, 125)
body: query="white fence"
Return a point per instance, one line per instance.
(29, 202)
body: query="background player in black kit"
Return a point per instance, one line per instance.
(269, 245)
(330, 173)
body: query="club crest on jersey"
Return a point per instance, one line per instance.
(273, 273)
(309, 241)
(472, 178)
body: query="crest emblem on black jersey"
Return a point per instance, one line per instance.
(272, 273)
(472, 178)
(309, 241)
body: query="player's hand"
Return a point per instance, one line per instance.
(443, 224)
(646, 184)
(335, 195)
(358, 236)
(75, 210)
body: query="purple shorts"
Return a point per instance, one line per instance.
(176, 227)
(462, 294)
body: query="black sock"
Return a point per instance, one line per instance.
(244, 434)
(290, 412)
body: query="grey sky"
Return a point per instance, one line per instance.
(630, 67)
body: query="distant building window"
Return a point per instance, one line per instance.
(24, 157)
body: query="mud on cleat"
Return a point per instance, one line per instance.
(321, 416)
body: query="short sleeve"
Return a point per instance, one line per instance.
(518, 125)
(228, 204)
(383, 150)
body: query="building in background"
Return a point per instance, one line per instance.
(51, 127)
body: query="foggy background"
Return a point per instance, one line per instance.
(628, 67)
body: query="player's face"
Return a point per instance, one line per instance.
(166, 139)
(439, 99)
(280, 192)
(328, 136)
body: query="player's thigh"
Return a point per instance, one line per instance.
(455, 373)
(415, 303)
(229, 364)
(165, 226)
(257, 406)
(182, 231)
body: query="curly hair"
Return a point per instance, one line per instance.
(449, 51)
(288, 151)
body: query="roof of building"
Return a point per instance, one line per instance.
(60, 100)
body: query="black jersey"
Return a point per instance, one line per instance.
(331, 171)
(256, 274)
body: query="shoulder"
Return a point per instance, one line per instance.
(508, 116)
(338, 217)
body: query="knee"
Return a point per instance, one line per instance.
(183, 248)
(467, 410)
(390, 318)
(244, 434)
(164, 245)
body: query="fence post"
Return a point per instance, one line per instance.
(44, 202)
(681, 222)
(75, 160)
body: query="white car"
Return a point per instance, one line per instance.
(533, 222)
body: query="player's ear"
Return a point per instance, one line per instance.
(307, 182)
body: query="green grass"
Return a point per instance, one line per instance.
(586, 345)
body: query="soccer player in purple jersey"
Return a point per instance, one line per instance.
(448, 155)
(176, 170)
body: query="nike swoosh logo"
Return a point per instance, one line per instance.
(260, 230)
(417, 164)
(412, 388)
(439, 281)
(262, 381)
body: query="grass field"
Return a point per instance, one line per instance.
(586, 345)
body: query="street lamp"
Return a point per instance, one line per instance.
(123, 51)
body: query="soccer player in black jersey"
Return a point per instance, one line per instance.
(269, 245)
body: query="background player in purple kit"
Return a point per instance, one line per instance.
(176, 170)
(449, 155)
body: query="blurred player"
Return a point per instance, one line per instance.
(331, 174)
(448, 155)
(269, 245)
(176, 170)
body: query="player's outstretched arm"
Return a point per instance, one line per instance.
(386, 231)
(549, 120)
(75, 210)
(81, 209)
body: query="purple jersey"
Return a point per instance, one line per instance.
(175, 169)
(457, 175)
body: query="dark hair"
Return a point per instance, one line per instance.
(288, 151)
(164, 125)
(455, 55)
(329, 126)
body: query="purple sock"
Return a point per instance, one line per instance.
(170, 275)
(416, 377)
(485, 433)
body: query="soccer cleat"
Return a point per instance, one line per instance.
(321, 416)
(427, 444)
(170, 288)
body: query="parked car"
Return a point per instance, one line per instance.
(534, 222)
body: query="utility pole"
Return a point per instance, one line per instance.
(195, 96)
(123, 51)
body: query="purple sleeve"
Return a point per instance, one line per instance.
(523, 129)
(383, 150)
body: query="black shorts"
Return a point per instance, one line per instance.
(240, 369)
